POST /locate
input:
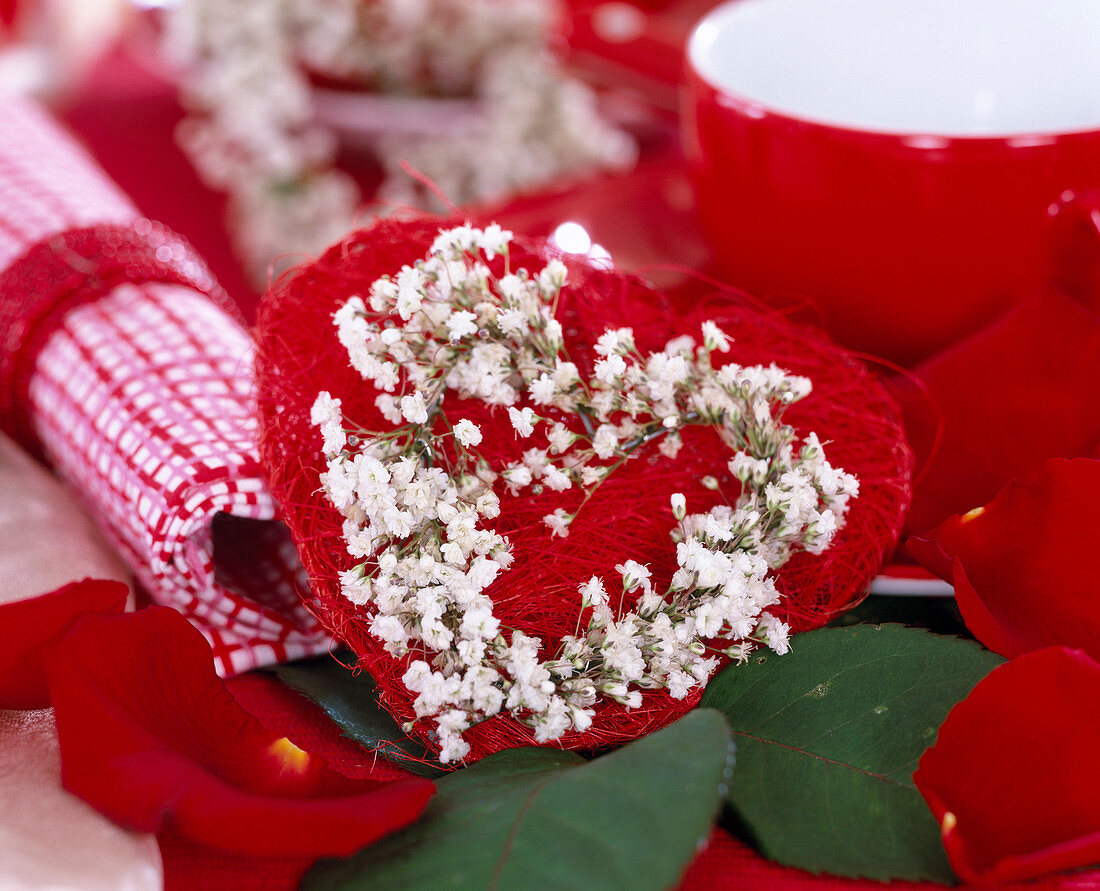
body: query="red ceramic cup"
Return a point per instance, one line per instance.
(896, 162)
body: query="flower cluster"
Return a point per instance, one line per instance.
(251, 131)
(254, 132)
(418, 499)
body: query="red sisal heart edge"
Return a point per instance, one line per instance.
(628, 518)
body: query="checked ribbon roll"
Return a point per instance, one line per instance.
(126, 367)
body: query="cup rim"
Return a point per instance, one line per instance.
(916, 138)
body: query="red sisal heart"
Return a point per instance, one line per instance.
(629, 516)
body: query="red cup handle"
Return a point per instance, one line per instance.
(1075, 246)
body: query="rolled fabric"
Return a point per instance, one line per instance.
(124, 364)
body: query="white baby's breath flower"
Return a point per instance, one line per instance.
(383, 294)
(389, 408)
(326, 414)
(605, 441)
(356, 587)
(523, 420)
(414, 409)
(556, 479)
(553, 333)
(679, 505)
(454, 243)
(745, 467)
(326, 408)
(389, 629)
(560, 438)
(619, 340)
(553, 276)
(461, 324)
(776, 633)
(409, 297)
(513, 322)
(592, 475)
(543, 389)
(558, 522)
(453, 747)
(536, 460)
(593, 593)
(488, 505)
(565, 375)
(581, 718)
(670, 445)
(608, 370)
(511, 287)
(634, 575)
(714, 338)
(467, 432)
(493, 240)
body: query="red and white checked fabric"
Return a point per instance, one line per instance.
(47, 182)
(142, 400)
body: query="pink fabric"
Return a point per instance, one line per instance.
(47, 183)
(142, 401)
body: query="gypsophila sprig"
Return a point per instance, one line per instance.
(416, 498)
(255, 126)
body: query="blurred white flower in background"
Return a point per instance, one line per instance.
(466, 92)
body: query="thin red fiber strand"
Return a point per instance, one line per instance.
(628, 518)
(431, 185)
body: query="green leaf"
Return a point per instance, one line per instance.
(350, 700)
(544, 818)
(828, 738)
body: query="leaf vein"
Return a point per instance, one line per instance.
(509, 842)
(826, 760)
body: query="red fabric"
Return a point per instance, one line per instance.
(1025, 567)
(150, 737)
(29, 626)
(1012, 777)
(47, 183)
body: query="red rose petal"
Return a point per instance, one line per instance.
(1016, 393)
(1025, 567)
(28, 626)
(151, 737)
(727, 864)
(1012, 777)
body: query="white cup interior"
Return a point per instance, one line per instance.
(967, 68)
